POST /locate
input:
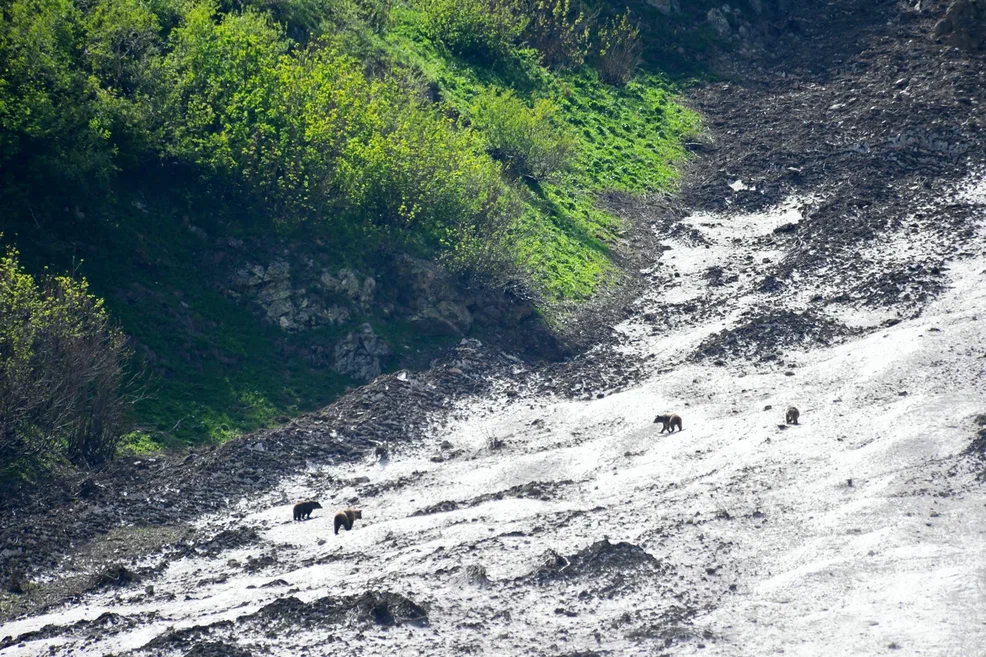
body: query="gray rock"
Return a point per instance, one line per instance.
(666, 7)
(437, 307)
(348, 283)
(279, 270)
(719, 22)
(430, 321)
(756, 6)
(359, 354)
(964, 24)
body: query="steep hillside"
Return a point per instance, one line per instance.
(831, 257)
(280, 200)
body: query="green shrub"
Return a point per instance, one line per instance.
(61, 370)
(305, 18)
(619, 50)
(49, 124)
(226, 112)
(531, 141)
(560, 30)
(484, 30)
(415, 171)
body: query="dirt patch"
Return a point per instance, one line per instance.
(765, 336)
(611, 566)
(536, 490)
(380, 608)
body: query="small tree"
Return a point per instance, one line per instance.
(620, 49)
(560, 30)
(530, 141)
(483, 30)
(61, 370)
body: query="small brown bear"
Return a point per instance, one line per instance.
(792, 415)
(303, 510)
(669, 422)
(347, 518)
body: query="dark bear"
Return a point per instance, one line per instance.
(669, 422)
(303, 510)
(792, 415)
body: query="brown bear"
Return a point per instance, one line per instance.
(303, 510)
(792, 415)
(669, 422)
(347, 518)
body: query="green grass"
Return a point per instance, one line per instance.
(630, 139)
(207, 368)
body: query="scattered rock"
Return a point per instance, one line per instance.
(218, 649)
(381, 608)
(476, 576)
(115, 576)
(359, 354)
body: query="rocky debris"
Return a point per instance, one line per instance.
(381, 608)
(185, 638)
(228, 539)
(964, 25)
(763, 336)
(475, 575)
(600, 558)
(978, 445)
(218, 649)
(537, 490)
(441, 507)
(874, 119)
(115, 576)
(359, 354)
(106, 624)
(911, 285)
(394, 408)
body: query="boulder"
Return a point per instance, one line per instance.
(719, 22)
(437, 308)
(666, 7)
(349, 284)
(359, 354)
(964, 25)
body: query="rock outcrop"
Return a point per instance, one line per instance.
(359, 354)
(964, 25)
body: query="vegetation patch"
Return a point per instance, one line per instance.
(135, 137)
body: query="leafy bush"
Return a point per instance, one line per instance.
(560, 30)
(414, 170)
(530, 141)
(303, 19)
(49, 126)
(620, 49)
(484, 30)
(61, 370)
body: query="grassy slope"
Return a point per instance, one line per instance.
(630, 140)
(212, 370)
